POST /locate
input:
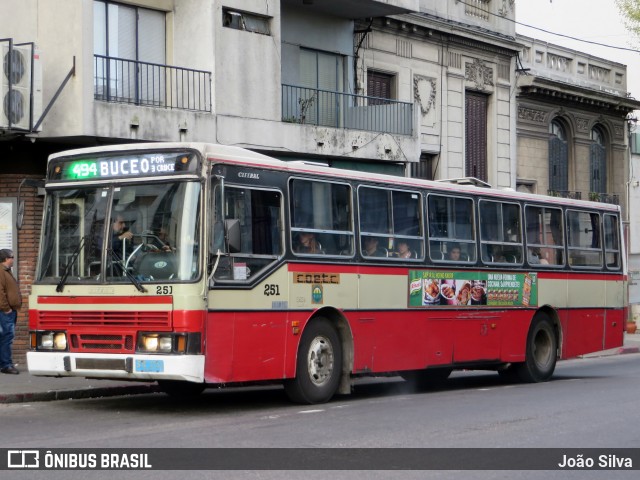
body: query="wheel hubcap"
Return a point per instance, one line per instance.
(542, 348)
(320, 360)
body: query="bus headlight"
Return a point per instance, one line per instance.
(156, 342)
(161, 342)
(50, 341)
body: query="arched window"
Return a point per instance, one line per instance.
(558, 158)
(598, 161)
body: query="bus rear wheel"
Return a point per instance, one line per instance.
(318, 366)
(181, 389)
(542, 352)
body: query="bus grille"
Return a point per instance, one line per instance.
(65, 319)
(96, 343)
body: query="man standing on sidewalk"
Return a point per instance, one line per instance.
(10, 302)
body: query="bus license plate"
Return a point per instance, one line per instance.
(153, 366)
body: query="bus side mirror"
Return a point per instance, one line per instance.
(232, 235)
(29, 182)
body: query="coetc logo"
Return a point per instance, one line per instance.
(316, 294)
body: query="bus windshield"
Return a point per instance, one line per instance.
(121, 233)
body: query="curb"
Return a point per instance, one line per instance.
(623, 350)
(78, 393)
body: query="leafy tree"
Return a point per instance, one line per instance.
(630, 10)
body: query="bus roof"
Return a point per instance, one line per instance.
(243, 156)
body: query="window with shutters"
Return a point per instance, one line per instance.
(128, 35)
(379, 86)
(597, 162)
(322, 76)
(558, 158)
(476, 135)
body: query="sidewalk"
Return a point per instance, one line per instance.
(27, 388)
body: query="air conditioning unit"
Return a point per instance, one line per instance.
(20, 86)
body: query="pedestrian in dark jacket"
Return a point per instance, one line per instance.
(10, 302)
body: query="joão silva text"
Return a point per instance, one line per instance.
(604, 461)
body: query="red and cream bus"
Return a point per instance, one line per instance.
(198, 265)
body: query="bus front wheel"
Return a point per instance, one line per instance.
(542, 351)
(318, 366)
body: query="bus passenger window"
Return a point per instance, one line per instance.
(249, 232)
(321, 219)
(545, 236)
(393, 219)
(611, 241)
(500, 232)
(451, 229)
(583, 239)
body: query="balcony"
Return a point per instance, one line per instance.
(565, 194)
(612, 198)
(326, 108)
(152, 85)
(353, 9)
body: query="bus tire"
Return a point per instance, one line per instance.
(181, 389)
(542, 351)
(318, 366)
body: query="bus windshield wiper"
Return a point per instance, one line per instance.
(116, 259)
(72, 261)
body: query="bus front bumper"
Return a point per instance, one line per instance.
(115, 366)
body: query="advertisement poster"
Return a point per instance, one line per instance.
(428, 288)
(7, 222)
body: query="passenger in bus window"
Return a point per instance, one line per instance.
(453, 252)
(307, 243)
(370, 248)
(497, 256)
(535, 257)
(404, 250)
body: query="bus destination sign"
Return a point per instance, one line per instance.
(145, 165)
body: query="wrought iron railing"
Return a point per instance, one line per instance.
(565, 194)
(151, 84)
(327, 108)
(612, 198)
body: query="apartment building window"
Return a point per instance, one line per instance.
(598, 161)
(635, 142)
(424, 167)
(247, 22)
(379, 85)
(476, 135)
(558, 158)
(322, 79)
(131, 42)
